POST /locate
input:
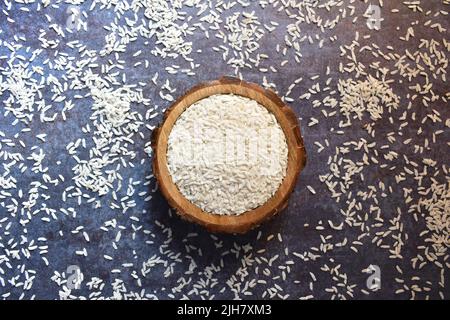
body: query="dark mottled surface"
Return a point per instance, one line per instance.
(304, 208)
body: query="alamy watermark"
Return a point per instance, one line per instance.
(373, 282)
(74, 277)
(231, 147)
(373, 16)
(74, 21)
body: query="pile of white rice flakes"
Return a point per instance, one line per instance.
(84, 83)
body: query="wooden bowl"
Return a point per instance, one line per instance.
(250, 219)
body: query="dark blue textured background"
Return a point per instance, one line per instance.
(304, 208)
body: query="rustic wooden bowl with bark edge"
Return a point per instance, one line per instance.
(250, 219)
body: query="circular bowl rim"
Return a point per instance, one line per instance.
(296, 156)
